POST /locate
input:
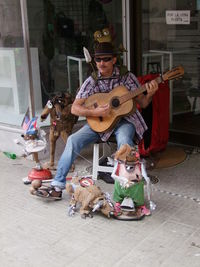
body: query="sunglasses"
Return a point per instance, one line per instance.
(104, 59)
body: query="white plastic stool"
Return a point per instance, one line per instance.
(96, 161)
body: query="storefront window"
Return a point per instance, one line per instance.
(60, 30)
(14, 78)
(14, 85)
(171, 38)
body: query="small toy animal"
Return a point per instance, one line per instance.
(103, 36)
(91, 199)
(61, 120)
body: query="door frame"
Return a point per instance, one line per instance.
(132, 34)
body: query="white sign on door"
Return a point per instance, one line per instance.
(178, 16)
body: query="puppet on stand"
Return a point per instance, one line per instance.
(62, 122)
(128, 174)
(34, 141)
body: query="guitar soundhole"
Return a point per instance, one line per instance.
(115, 103)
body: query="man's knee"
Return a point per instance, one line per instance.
(125, 142)
(74, 142)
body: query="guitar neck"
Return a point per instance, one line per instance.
(137, 91)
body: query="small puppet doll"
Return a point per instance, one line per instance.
(129, 184)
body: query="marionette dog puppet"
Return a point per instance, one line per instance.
(90, 197)
(61, 121)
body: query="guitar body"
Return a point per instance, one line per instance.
(118, 110)
(121, 102)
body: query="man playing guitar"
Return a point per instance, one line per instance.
(128, 129)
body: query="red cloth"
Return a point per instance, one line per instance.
(160, 117)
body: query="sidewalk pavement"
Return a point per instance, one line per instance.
(38, 233)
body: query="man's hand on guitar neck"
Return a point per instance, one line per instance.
(144, 100)
(151, 87)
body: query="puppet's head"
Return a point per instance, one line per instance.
(127, 169)
(56, 105)
(104, 205)
(31, 131)
(127, 154)
(103, 36)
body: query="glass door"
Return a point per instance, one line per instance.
(171, 38)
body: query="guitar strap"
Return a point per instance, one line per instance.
(122, 72)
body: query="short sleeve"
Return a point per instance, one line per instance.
(86, 88)
(130, 81)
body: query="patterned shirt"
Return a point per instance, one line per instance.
(91, 86)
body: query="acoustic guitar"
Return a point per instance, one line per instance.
(121, 102)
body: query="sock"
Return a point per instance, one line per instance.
(57, 189)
